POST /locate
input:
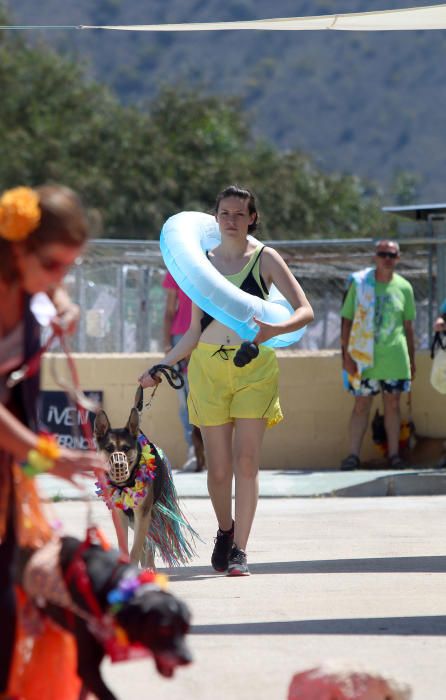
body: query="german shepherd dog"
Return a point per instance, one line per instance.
(140, 492)
(86, 588)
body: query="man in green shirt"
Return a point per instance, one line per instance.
(378, 347)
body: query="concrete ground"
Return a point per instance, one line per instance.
(291, 484)
(360, 580)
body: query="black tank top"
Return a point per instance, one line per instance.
(249, 285)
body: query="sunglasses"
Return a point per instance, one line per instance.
(52, 265)
(386, 254)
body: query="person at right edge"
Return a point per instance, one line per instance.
(378, 354)
(440, 321)
(440, 327)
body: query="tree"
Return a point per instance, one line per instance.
(137, 166)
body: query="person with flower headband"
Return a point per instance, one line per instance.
(42, 232)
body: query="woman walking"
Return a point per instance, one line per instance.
(233, 405)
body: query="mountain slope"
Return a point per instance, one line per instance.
(365, 103)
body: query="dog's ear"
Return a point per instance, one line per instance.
(139, 399)
(133, 422)
(101, 424)
(167, 606)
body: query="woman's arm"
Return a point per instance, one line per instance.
(68, 313)
(169, 314)
(181, 350)
(17, 440)
(276, 271)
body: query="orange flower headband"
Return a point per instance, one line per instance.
(19, 213)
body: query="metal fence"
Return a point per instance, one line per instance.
(119, 288)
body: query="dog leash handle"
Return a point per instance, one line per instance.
(174, 378)
(139, 399)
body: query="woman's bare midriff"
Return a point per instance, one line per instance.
(218, 334)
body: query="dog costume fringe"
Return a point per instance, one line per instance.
(170, 529)
(170, 533)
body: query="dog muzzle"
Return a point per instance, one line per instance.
(119, 467)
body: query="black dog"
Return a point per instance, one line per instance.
(84, 581)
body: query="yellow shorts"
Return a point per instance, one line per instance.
(219, 391)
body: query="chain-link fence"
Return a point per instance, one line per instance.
(119, 288)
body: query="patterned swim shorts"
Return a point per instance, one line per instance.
(372, 387)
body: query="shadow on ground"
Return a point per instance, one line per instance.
(421, 626)
(382, 565)
(413, 483)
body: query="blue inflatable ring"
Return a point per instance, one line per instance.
(184, 239)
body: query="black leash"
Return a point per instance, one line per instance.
(174, 378)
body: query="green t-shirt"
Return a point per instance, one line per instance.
(394, 304)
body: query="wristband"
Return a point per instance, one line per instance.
(48, 446)
(42, 458)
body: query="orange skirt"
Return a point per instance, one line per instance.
(19, 492)
(44, 665)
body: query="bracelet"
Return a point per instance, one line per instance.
(48, 446)
(42, 458)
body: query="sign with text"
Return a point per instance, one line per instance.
(65, 421)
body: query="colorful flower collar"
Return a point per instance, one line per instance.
(134, 582)
(130, 497)
(117, 644)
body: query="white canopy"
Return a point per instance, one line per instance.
(432, 17)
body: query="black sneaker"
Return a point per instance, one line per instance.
(350, 463)
(238, 563)
(222, 549)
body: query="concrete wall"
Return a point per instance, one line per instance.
(313, 434)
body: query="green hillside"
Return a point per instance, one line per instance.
(364, 103)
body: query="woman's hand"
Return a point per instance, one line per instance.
(266, 331)
(83, 462)
(68, 313)
(67, 320)
(146, 380)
